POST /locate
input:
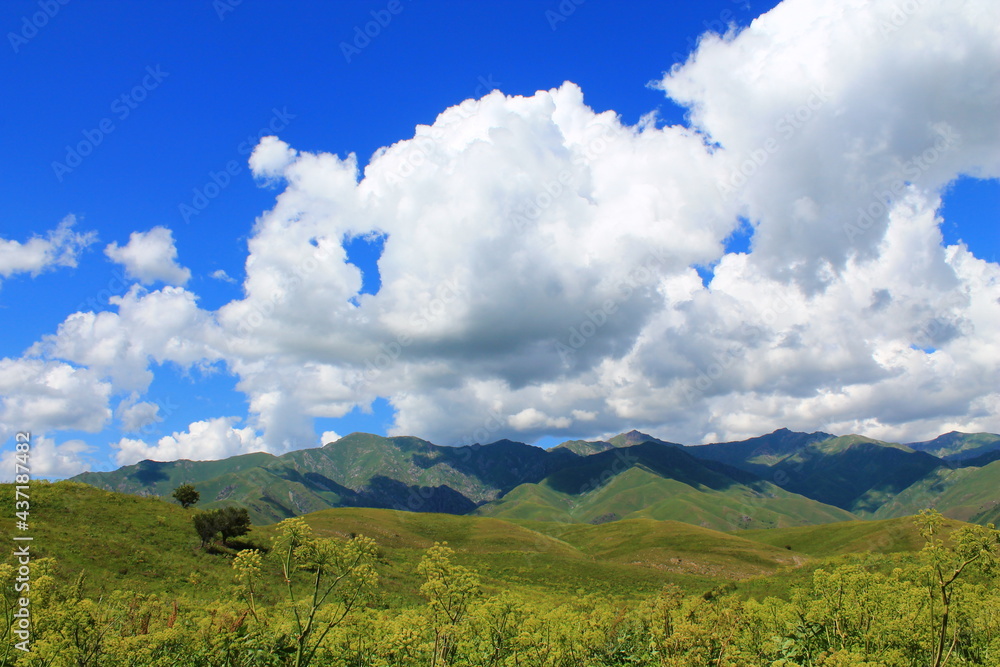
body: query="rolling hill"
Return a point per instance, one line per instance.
(880, 536)
(148, 545)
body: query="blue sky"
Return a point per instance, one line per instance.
(168, 101)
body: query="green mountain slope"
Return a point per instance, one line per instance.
(359, 470)
(662, 482)
(585, 447)
(957, 446)
(853, 472)
(758, 454)
(158, 478)
(968, 494)
(779, 479)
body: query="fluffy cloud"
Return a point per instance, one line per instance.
(328, 437)
(150, 257)
(41, 396)
(59, 247)
(203, 441)
(48, 459)
(270, 158)
(220, 274)
(135, 416)
(537, 267)
(159, 326)
(538, 273)
(826, 109)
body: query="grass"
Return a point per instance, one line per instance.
(117, 540)
(882, 536)
(148, 545)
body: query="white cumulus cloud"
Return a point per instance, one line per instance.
(206, 440)
(42, 395)
(59, 247)
(47, 459)
(150, 257)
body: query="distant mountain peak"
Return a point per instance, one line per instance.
(632, 437)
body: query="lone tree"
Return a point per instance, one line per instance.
(235, 522)
(230, 522)
(186, 495)
(207, 526)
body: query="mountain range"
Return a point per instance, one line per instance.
(782, 479)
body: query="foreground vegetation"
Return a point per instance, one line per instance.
(320, 592)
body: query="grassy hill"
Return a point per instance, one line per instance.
(880, 536)
(117, 540)
(148, 545)
(671, 546)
